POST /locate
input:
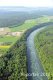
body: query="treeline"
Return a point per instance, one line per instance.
(11, 18)
(14, 18)
(13, 65)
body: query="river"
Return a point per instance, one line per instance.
(35, 68)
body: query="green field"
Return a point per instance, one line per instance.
(30, 23)
(27, 24)
(44, 46)
(10, 39)
(6, 42)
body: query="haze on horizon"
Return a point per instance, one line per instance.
(27, 3)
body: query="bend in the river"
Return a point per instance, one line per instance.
(35, 68)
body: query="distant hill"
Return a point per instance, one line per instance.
(12, 8)
(25, 9)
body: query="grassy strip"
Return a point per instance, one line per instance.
(3, 51)
(44, 46)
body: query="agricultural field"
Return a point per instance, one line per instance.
(5, 43)
(44, 46)
(7, 40)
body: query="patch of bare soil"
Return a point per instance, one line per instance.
(6, 31)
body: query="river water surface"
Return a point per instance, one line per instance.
(35, 69)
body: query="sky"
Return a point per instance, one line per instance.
(27, 3)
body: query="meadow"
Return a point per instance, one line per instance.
(30, 23)
(8, 38)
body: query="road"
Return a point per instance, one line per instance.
(35, 69)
